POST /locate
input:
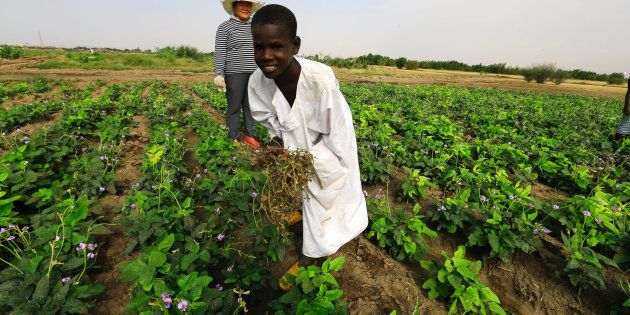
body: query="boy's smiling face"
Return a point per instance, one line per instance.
(274, 49)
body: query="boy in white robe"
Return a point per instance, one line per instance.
(299, 101)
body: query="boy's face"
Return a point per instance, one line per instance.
(274, 49)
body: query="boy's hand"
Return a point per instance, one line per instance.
(219, 81)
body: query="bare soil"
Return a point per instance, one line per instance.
(115, 298)
(27, 99)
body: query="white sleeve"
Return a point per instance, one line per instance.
(261, 108)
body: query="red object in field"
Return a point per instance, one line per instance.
(252, 141)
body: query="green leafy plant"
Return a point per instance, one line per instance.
(457, 280)
(314, 291)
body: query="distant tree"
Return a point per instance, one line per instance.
(401, 62)
(412, 65)
(615, 78)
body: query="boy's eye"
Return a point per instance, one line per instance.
(276, 47)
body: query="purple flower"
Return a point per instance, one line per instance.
(254, 194)
(81, 246)
(546, 230)
(65, 279)
(2, 230)
(10, 238)
(598, 220)
(445, 145)
(11, 226)
(229, 269)
(136, 185)
(220, 237)
(613, 208)
(102, 158)
(182, 305)
(133, 206)
(535, 231)
(234, 158)
(205, 170)
(531, 204)
(512, 197)
(441, 208)
(555, 207)
(365, 193)
(101, 189)
(91, 246)
(586, 213)
(378, 196)
(217, 210)
(91, 255)
(167, 300)
(198, 175)
(218, 287)
(483, 199)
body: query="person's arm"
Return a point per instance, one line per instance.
(261, 108)
(220, 51)
(626, 107)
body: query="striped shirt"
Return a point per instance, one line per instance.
(234, 48)
(623, 128)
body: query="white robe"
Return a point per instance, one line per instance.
(333, 210)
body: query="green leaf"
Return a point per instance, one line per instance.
(467, 273)
(334, 294)
(494, 242)
(489, 296)
(187, 282)
(88, 290)
(42, 289)
(337, 263)
(495, 308)
(156, 259)
(166, 243)
(138, 302)
(187, 260)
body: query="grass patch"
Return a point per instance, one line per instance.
(106, 60)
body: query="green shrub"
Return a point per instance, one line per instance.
(539, 73)
(401, 62)
(458, 281)
(137, 60)
(615, 78)
(412, 65)
(560, 76)
(9, 52)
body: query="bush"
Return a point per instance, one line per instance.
(560, 76)
(401, 62)
(170, 53)
(412, 65)
(616, 78)
(9, 52)
(136, 60)
(539, 73)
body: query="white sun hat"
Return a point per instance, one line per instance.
(227, 5)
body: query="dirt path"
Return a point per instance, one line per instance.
(115, 298)
(27, 99)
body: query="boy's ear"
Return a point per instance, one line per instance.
(296, 45)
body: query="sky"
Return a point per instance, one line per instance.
(584, 34)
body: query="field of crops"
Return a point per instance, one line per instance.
(130, 196)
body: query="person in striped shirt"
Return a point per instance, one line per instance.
(623, 128)
(234, 63)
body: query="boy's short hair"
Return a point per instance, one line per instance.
(277, 15)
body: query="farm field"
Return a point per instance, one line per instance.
(125, 194)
